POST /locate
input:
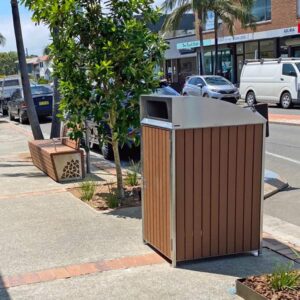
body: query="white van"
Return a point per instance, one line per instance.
(271, 81)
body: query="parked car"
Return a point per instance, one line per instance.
(275, 81)
(7, 86)
(42, 98)
(129, 149)
(211, 86)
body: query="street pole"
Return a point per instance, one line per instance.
(32, 115)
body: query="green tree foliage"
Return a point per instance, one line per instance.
(105, 59)
(8, 63)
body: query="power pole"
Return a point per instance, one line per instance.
(32, 115)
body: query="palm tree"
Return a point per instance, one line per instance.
(177, 8)
(2, 40)
(32, 115)
(229, 11)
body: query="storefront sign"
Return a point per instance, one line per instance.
(242, 37)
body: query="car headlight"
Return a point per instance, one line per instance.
(216, 91)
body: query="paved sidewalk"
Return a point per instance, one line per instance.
(53, 246)
(284, 119)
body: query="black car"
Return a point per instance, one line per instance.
(42, 97)
(129, 149)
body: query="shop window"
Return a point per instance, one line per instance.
(239, 48)
(251, 50)
(261, 10)
(268, 49)
(298, 8)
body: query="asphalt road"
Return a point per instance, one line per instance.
(283, 157)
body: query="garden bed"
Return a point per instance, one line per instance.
(259, 288)
(104, 197)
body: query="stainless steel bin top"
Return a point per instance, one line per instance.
(183, 112)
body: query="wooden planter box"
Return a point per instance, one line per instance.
(247, 293)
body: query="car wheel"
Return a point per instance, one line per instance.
(184, 94)
(205, 96)
(21, 118)
(250, 99)
(107, 151)
(286, 100)
(11, 117)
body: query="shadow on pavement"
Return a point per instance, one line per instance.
(3, 291)
(130, 212)
(28, 174)
(13, 165)
(290, 188)
(240, 266)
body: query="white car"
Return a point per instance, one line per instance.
(275, 81)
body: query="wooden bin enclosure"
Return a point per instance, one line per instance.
(203, 165)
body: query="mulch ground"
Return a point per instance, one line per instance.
(103, 193)
(261, 285)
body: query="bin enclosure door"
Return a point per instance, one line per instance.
(156, 188)
(218, 191)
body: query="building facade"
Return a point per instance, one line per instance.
(276, 35)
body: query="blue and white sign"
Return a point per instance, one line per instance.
(241, 38)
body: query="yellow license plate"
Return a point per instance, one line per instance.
(43, 103)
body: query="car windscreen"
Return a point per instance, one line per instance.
(38, 90)
(166, 90)
(11, 82)
(298, 66)
(216, 81)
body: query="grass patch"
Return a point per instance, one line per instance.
(132, 177)
(285, 278)
(87, 189)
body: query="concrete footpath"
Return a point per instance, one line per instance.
(53, 246)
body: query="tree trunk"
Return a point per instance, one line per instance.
(202, 66)
(115, 146)
(56, 122)
(87, 148)
(216, 45)
(32, 115)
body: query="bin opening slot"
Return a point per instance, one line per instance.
(158, 110)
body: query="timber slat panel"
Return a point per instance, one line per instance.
(217, 206)
(216, 167)
(240, 189)
(231, 223)
(156, 204)
(206, 189)
(256, 204)
(189, 196)
(215, 190)
(198, 160)
(223, 228)
(180, 203)
(248, 186)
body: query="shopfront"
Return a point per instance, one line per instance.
(180, 63)
(234, 50)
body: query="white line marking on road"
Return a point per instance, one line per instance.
(284, 157)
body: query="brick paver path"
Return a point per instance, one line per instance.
(284, 119)
(81, 269)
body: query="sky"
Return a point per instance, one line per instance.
(35, 37)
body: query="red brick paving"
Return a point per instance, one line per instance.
(284, 119)
(81, 269)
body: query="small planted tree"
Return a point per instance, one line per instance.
(105, 57)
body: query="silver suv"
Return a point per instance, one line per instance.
(211, 86)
